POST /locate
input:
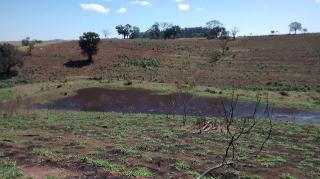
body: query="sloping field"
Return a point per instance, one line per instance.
(251, 61)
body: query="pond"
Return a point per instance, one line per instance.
(144, 101)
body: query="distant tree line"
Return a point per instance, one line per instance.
(213, 30)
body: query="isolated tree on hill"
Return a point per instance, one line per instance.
(213, 24)
(215, 29)
(234, 32)
(105, 33)
(272, 32)
(8, 58)
(30, 43)
(305, 30)
(26, 41)
(89, 44)
(295, 26)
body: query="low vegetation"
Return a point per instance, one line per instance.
(112, 139)
(144, 63)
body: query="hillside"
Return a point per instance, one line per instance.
(251, 61)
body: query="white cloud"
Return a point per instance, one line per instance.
(95, 7)
(317, 1)
(122, 10)
(183, 7)
(141, 2)
(178, 1)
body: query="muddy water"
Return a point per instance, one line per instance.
(143, 101)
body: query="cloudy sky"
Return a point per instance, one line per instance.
(68, 19)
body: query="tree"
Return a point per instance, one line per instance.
(125, 30)
(305, 30)
(135, 33)
(191, 32)
(8, 58)
(213, 24)
(172, 32)
(120, 30)
(30, 43)
(89, 44)
(234, 32)
(295, 26)
(25, 42)
(215, 29)
(106, 33)
(154, 32)
(272, 32)
(238, 129)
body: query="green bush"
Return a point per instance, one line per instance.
(8, 58)
(9, 169)
(216, 55)
(22, 78)
(145, 62)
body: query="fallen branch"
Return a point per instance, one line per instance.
(227, 163)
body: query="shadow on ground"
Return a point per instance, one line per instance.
(77, 63)
(5, 76)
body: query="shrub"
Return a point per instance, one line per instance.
(8, 58)
(216, 55)
(181, 165)
(139, 172)
(9, 169)
(144, 62)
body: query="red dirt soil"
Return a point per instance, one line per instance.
(250, 61)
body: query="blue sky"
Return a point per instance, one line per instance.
(68, 19)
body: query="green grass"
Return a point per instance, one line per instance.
(45, 92)
(272, 160)
(22, 78)
(53, 177)
(80, 145)
(286, 176)
(9, 170)
(138, 172)
(96, 152)
(145, 62)
(99, 163)
(144, 135)
(181, 165)
(43, 152)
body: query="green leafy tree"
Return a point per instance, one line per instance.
(295, 26)
(30, 43)
(135, 33)
(9, 58)
(154, 32)
(120, 30)
(89, 44)
(172, 32)
(125, 30)
(215, 29)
